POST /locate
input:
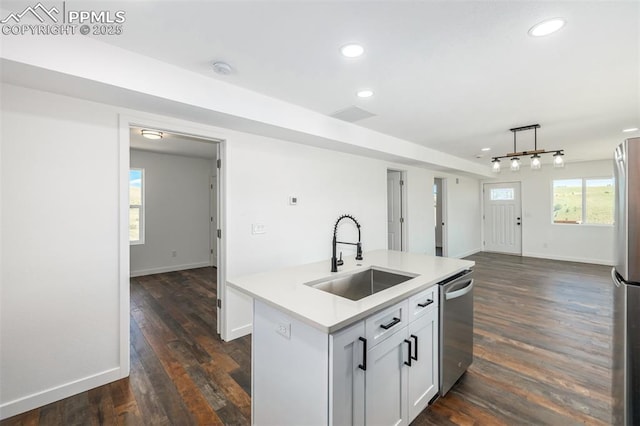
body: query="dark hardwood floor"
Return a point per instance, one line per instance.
(542, 354)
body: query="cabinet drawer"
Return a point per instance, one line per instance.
(386, 322)
(423, 302)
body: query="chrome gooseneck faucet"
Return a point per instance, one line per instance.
(335, 262)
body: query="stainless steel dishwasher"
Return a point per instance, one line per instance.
(456, 328)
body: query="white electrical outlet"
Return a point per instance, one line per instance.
(284, 328)
(258, 228)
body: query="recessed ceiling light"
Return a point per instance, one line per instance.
(632, 129)
(151, 134)
(485, 149)
(365, 94)
(352, 50)
(547, 27)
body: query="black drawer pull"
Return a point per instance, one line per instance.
(415, 347)
(425, 304)
(363, 366)
(409, 357)
(391, 324)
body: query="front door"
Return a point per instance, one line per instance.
(502, 218)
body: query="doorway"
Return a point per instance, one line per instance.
(439, 200)
(396, 199)
(196, 135)
(502, 218)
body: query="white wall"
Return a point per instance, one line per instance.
(59, 324)
(462, 221)
(267, 171)
(60, 308)
(541, 237)
(176, 213)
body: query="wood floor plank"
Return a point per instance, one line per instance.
(542, 354)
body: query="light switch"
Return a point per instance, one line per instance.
(258, 228)
(293, 200)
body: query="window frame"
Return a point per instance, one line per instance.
(141, 206)
(584, 201)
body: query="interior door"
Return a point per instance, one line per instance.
(394, 209)
(502, 217)
(213, 224)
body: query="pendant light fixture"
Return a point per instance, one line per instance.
(536, 160)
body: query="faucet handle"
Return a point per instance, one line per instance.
(340, 261)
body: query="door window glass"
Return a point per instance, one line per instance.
(502, 194)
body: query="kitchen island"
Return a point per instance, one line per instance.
(321, 358)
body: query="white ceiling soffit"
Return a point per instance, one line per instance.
(450, 76)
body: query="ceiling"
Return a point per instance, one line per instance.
(450, 75)
(174, 144)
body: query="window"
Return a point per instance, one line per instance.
(583, 201)
(502, 194)
(136, 206)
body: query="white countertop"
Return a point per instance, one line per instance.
(285, 288)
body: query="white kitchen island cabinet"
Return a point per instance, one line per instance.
(387, 378)
(322, 359)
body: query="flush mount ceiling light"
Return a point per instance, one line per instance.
(365, 93)
(547, 27)
(222, 68)
(536, 160)
(352, 50)
(485, 149)
(631, 129)
(151, 134)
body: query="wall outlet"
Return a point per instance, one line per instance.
(258, 228)
(174, 253)
(284, 328)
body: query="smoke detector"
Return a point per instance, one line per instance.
(222, 68)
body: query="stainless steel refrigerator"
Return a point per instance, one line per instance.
(626, 290)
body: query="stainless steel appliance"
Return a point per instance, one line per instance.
(456, 328)
(626, 291)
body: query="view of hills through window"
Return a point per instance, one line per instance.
(583, 201)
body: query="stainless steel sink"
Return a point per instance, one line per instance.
(361, 284)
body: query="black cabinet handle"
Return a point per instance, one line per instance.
(409, 357)
(391, 324)
(415, 347)
(363, 366)
(425, 304)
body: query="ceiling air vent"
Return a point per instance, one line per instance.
(352, 114)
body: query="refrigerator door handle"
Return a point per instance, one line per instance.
(615, 278)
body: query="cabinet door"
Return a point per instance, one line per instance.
(423, 375)
(346, 372)
(386, 381)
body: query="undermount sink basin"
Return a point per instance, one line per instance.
(361, 284)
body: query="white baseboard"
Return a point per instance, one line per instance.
(467, 253)
(39, 399)
(239, 332)
(172, 268)
(570, 259)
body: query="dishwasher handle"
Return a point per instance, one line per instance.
(459, 293)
